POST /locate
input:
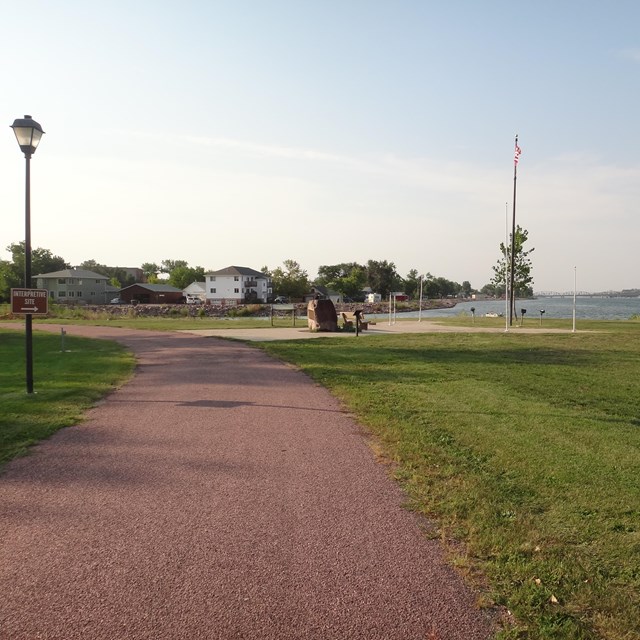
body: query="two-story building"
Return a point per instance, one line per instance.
(75, 286)
(237, 285)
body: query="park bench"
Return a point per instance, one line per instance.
(349, 319)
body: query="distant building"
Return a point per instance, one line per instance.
(152, 294)
(318, 292)
(75, 286)
(237, 285)
(195, 290)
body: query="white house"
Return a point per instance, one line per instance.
(237, 285)
(195, 290)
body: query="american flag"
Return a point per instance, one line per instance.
(517, 153)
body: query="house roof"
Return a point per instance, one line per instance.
(237, 271)
(72, 273)
(167, 288)
(318, 288)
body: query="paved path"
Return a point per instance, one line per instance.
(219, 494)
(301, 332)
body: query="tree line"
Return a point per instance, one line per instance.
(349, 279)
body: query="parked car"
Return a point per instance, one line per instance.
(193, 300)
(117, 301)
(281, 300)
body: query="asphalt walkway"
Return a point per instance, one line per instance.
(220, 494)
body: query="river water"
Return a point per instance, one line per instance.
(586, 308)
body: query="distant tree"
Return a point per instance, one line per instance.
(491, 290)
(291, 281)
(412, 284)
(439, 287)
(96, 267)
(8, 280)
(522, 278)
(347, 278)
(150, 269)
(182, 276)
(12, 271)
(167, 266)
(382, 277)
(466, 289)
(118, 277)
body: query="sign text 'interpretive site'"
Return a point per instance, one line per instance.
(29, 301)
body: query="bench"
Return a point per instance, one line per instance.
(349, 319)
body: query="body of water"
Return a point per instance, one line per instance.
(586, 308)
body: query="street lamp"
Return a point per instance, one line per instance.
(28, 133)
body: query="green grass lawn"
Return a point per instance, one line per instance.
(177, 323)
(66, 385)
(524, 449)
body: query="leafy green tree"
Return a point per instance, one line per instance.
(12, 271)
(347, 278)
(291, 281)
(182, 276)
(412, 284)
(439, 287)
(150, 269)
(118, 277)
(167, 266)
(382, 277)
(492, 291)
(522, 277)
(466, 289)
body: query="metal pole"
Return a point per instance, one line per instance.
(574, 299)
(420, 304)
(27, 273)
(507, 296)
(513, 241)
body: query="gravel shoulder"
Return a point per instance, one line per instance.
(219, 494)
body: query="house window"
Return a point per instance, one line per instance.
(62, 294)
(236, 291)
(212, 290)
(236, 278)
(97, 281)
(213, 278)
(62, 281)
(78, 294)
(71, 294)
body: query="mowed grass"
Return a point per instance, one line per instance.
(524, 449)
(66, 385)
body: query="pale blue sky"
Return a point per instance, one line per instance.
(247, 132)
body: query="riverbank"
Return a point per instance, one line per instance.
(93, 312)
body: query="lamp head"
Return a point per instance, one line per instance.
(28, 133)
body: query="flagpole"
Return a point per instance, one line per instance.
(575, 287)
(513, 235)
(506, 267)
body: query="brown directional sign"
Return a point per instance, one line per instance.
(29, 301)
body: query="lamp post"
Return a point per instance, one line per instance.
(28, 133)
